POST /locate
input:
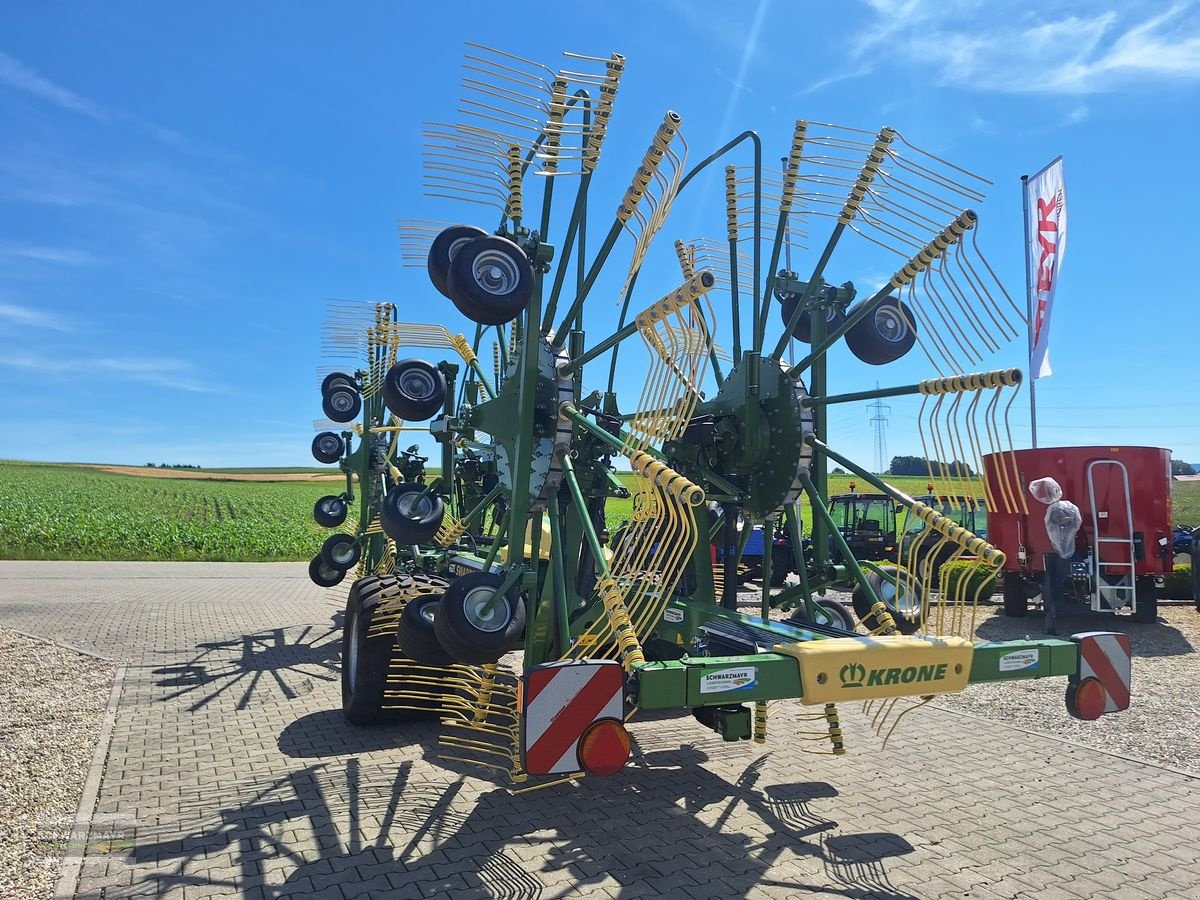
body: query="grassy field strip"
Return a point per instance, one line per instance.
(51, 511)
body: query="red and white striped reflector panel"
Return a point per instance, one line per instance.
(561, 699)
(1107, 657)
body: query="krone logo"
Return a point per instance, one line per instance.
(852, 675)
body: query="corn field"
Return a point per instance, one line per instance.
(73, 512)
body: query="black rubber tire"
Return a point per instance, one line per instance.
(408, 520)
(884, 335)
(443, 250)
(1016, 601)
(337, 378)
(781, 565)
(341, 551)
(491, 280)
(330, 511)
(834, 317)
(460, 628)
(1147, 601)
(839, 616)
(414, 390)
(416, 635)
(328, 447)
(906, 622)
(380, 663)
(323, 574)
(341, 403)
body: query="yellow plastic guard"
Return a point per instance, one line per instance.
(868, 668)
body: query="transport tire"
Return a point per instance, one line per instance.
(443, 250)
(884, 335)
(373, 664)
(491, 280)
(470, 632)
(902, 598)
(414, 389)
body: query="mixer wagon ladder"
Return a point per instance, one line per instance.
(1123, 593)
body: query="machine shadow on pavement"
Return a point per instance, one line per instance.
(288, 660)
(665, 823)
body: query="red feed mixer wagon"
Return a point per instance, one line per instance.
(1124, 536)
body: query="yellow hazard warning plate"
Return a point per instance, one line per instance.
(866, 668)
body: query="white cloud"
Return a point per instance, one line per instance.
(17, 75)
(1015, 51)
(63, 255)
(31, 318)
(175, 374)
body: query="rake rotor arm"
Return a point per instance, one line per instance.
(696, 170)
(839, 539)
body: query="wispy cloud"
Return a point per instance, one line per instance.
(32, 318)
(1005, 48)
(64, 255)
(166, 372)
(17, 75)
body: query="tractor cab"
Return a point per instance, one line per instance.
(969, 512)
(867, 522)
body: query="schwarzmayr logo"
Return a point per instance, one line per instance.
(853, 675)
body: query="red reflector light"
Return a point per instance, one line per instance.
(1090, 699)
(604, 747)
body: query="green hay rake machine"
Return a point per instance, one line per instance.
(503, 552)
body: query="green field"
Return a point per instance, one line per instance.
(52, 511)
(74, 512)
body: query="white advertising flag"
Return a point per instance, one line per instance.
(1046, 202)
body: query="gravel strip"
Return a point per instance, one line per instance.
(52, 701)
(1163, 719)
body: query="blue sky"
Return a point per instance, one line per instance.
(182, 187)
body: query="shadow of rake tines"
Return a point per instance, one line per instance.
(288, 658)
(857, 861)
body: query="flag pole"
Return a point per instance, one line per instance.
(1029, 314)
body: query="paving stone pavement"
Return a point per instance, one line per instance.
(231, 772)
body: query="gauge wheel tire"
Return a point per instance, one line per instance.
(907, 620)
(883, 335)
(330, 511)
(409, 518)
(328, 447)
(341, 551)
(341, 403)
(1016, 600)
(469, 633)
(323, 574)
(834, 317)
(416, 635)
(371, 665)
(490, 280)
(337, 378)
(414, 390)
(1146, 597)
(443, 250)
